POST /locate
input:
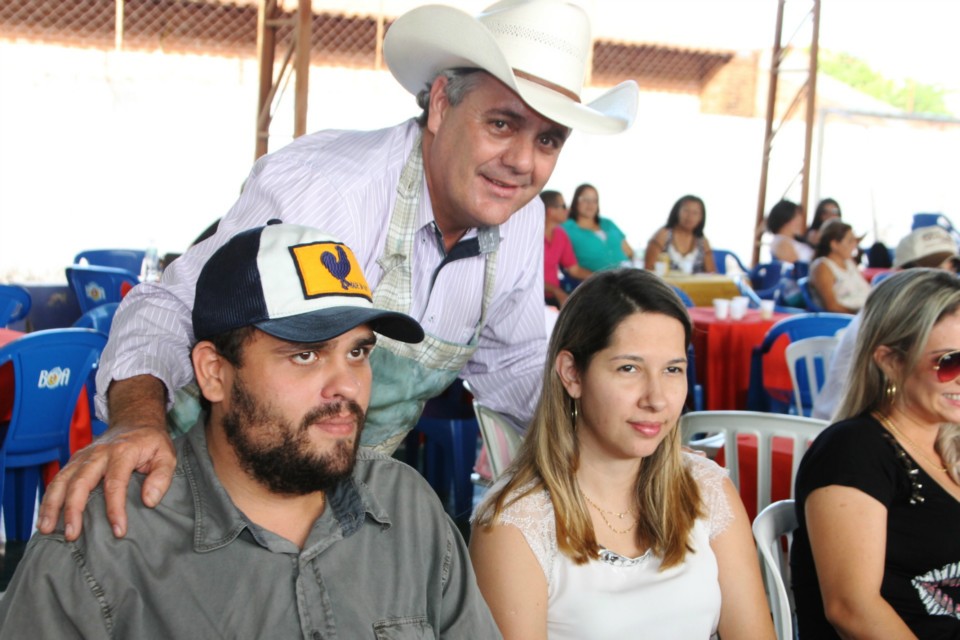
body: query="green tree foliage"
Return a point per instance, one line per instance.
(911, 95)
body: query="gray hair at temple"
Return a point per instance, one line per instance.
(459, 83)
(900, 314)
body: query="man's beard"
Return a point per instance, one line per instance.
(286, 465)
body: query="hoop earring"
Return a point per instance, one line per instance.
(890, 393)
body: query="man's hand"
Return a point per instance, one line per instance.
(136, 441)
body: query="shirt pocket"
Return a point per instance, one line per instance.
(411, 628)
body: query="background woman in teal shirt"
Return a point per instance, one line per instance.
(597, 242)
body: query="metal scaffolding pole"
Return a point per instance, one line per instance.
(809, 91)
(270, 19)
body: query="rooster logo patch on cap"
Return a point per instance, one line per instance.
(329, 268)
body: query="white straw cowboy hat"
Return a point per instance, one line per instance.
(538, 48)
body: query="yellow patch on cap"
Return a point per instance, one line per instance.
(329, 268)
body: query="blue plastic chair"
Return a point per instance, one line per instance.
(127, 259)
(49, 369)
(15, 303)
(796, 327)
(808, 298)
(930, 220)
(95, 286)
(450, 434)
(100, 319)
(720, 257)
(687, 301)
(765, 278)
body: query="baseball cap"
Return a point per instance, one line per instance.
(295, 283)
(935, 244)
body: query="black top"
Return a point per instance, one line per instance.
(921, 577)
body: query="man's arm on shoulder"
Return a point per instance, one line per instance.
(50, 596)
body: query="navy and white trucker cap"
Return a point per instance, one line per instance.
(292, 282)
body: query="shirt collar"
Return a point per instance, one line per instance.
(218, 521)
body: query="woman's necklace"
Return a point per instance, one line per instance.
(602, 511)
(891, 427)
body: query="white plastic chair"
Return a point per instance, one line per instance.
(764, 427)
(773, 523)
(808, 353)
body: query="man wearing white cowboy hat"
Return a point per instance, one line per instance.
(274, 525)
(442, 213)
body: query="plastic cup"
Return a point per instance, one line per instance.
(738, 307)
(721, 308)
(766, 309)
(660, 268)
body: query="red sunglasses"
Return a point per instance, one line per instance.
(948, 366)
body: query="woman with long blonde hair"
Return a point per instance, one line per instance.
(877, 552)
(603, 528)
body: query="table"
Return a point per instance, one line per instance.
(81, 433)
(723, 349)
(704, 287)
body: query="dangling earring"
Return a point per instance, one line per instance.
(890, 393)
(574, 412)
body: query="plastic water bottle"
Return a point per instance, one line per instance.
(150, 267)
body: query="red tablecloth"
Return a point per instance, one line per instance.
(80, 431)
(780, 480)
(723, 349)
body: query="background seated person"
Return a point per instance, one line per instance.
(827, 209)
(597, 242)
(928, 247)
(878, 500)
(683, 240)
(785, 222)
(274, 526)
(557, 250)
(602, 527)
(835, 281)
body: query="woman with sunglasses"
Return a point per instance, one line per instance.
(877, 552)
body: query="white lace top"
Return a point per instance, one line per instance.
(616, 597)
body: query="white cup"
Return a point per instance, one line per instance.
(721, 308)
(766, 309)
(660, 268)
(738, 307)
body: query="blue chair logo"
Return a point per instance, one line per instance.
(54, 378)
(95, 292)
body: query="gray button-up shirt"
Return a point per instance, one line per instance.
(383, 561)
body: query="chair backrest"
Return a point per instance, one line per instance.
(14, 303)
(722, 258)
(49, 369)
(686, 299)
(501, 439)
(812, 357)
(809, 296)
(805, 325)
(766, 275)
(777, 521)
(99, 318)
(930, 220)
(94, 286)
(128, 259)
(764, 427)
